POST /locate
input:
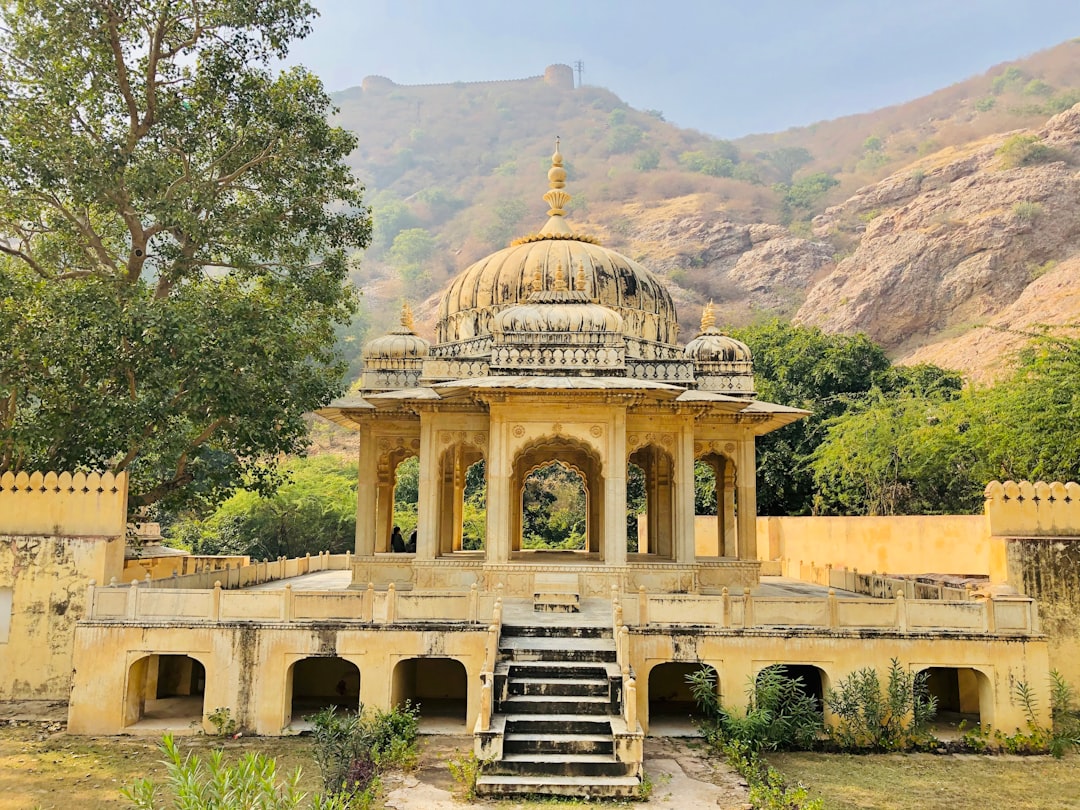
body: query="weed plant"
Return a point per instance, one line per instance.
(869, 718)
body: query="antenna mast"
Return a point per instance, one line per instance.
(579, 66)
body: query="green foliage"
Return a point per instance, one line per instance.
(871, 718)
(352, 749)
(624, 138)
(553, 509)
(768, 787)
(315, 510)
(176, 217)
(1037, 87)
(779, 713)
(411, 251)
(647, 160)
(192, 784)
(465, 771)
(803, 195)
(1009, 78)
(1062, 735)
(507, 213)
(873, 144)
(985, 104)
(1027, 212)
(222, 720)
(786, 160)
(1024, 150)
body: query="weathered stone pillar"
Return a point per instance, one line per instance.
(746, 492)
(726, 510)
(497, 545)
(614, 506)
(683, 483)
(427, 525)
(366, 494)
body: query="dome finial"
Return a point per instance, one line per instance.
(407, 316)
(537, 279)
(556, 197)
(708, 319)
(560, 279)
(579, 281)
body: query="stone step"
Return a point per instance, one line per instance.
(613, 787)
(557, 649)
(518, 723)
(597, 744)
(557, 670)
(555, 631)
(564, 765)
(579, 687)
(556, 704)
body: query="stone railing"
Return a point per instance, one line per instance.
(487, 676)
(1006, 615)
(141, 603)
(622, 660)
(256, 573)
(879, 586)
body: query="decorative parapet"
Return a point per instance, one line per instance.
(64, 504)
(1026, 509)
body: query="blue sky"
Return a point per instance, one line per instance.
(725, 67)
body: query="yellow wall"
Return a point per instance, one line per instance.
(1039, 509)
(912, 544)
(52, 543)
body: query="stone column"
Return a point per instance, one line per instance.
(683, 483)
(614, 506)
(497, 545)
(427, 526)
(458, 494)
(746, 495)
(726, 510)
(384, 510)
(366, 495)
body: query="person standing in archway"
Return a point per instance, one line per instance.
(397, 542)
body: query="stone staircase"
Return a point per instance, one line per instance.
(558, 704)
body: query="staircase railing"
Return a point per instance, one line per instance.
(491, 657)
(622, 660)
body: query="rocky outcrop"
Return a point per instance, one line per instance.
(986, 352)
(950, 241)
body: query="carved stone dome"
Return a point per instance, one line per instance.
(508, 277)
(397, 345)
(570, 316)
(721, 363)
(716, 347)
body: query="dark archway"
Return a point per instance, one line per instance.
(165, 691)
(714, 494)
(813, 680)
(462, 489)
(439, 686)
(959, 692)
(672, 709)
(317, 683)
(657, 536)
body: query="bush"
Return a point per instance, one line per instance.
(869, 718)
(1024, 150)
(779, 714)
(1027, 212)
(352, 749)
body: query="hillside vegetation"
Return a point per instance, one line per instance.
(919, 196)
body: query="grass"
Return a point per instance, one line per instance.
(933, 782)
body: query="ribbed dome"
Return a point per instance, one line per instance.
(398, 345)
(576, 317)
(512, 275)
(711, 346)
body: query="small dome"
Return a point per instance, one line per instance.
(568, 316)
(399, 344)
(712, 346)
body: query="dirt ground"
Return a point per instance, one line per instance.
(42, 767)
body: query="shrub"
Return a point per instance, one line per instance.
(893, 719)
(1024, 150)
(351, 749)
(647, 161)
(779, 713)
(465, 771)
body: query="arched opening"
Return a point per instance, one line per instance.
(439, 686)
(558, 505)
(165, 691)
(958, 691)
(554, 505)
(317, 683)
(656, 530)
(397, 495)
(672, 709)
(812, 680)
(714, 495)
(462, 513)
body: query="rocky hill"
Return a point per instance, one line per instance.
(933, 226)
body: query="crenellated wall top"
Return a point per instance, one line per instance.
(63, 504)
(1033, 509)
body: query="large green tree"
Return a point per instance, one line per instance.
(175, 218)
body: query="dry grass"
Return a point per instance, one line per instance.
(930, 782)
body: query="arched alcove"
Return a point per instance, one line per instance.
(813, 681)
(439, 686)
(573, 459)
(165, 691)
(672, 709)
(319, 682)
(960, 693)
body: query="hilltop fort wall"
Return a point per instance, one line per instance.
(560, 76)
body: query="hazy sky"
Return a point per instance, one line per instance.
(726, 67)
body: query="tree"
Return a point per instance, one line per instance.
(786, 160)
(174, 225)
